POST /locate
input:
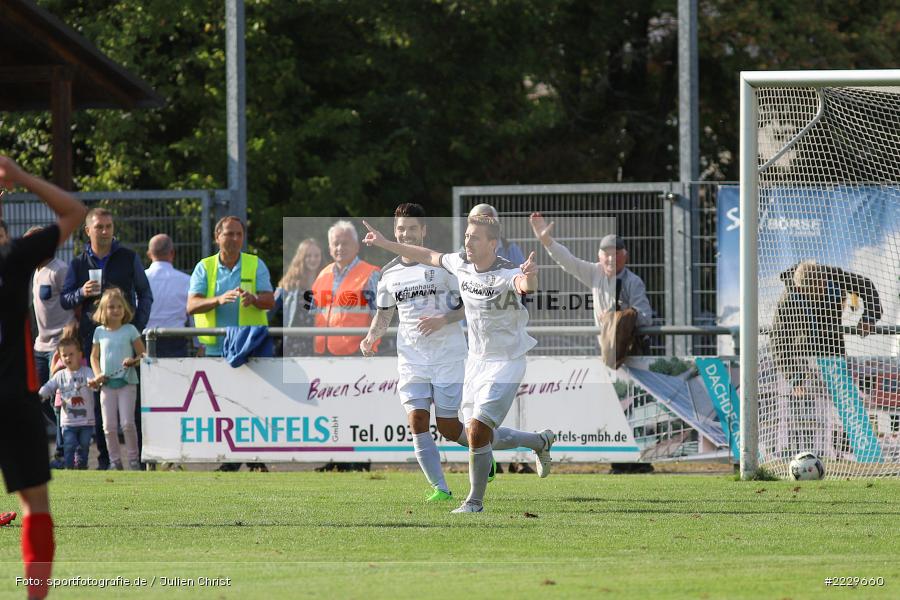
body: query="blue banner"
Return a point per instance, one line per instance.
(828, 225)
(717, 379)
(855, 228)
(728, 276)
(850, 407)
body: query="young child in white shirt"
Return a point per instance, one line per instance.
(77, 410)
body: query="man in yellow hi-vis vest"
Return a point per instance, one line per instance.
(229, 288)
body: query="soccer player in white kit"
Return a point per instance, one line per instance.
(431, 346)
(490, 287)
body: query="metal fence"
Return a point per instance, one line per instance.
(670, 230)
(185, 215)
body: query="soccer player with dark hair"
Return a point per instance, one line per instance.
(431, 346)
(23, 440)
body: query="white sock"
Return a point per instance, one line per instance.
(463, 438)
(480, 460)
(507, 439)
(430, 460)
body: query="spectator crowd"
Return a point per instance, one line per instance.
(88, 317)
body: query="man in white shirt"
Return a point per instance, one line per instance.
(490, 287)
(170, 293)
(46, 287)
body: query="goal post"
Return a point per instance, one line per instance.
(819, 267)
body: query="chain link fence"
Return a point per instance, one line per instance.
(185, 215)
(652, 218)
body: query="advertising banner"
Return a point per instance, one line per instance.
(347, 410)
(852, 410)
(728, 278)
(717, 378)
(836, 401)
(793, 223)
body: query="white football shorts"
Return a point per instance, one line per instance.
(490, 389)
(419, 385)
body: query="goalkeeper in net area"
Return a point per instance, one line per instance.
(432, 353)
(808, 317)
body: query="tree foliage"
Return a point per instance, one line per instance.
(354, 106)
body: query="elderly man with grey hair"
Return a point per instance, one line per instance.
(613, 286)
(619, 298)
(170, 291)
(344, 291)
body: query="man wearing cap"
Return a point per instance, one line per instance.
(614, 287)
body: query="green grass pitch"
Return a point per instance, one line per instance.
(369, 535)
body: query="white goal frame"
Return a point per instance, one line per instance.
(749, 268)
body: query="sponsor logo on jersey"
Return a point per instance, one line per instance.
(415, 291)
(478, 289)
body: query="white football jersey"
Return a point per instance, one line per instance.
(422, 291)
(494, 312)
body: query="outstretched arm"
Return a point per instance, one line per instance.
(69, 211)
(582, 270)
(541, 228)
(416, 253)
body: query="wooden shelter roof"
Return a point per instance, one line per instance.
(36, 47)
(47, 65)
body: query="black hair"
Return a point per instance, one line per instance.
(408, 209)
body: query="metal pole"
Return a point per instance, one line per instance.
(205, 225)
(236, 106)
(678, 211)
(688, 165)
(456, 213)
(749, 283)
(688, 91)
(158, 332)
(670, 274)
(151, 342)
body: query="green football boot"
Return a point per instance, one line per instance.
(439, 496)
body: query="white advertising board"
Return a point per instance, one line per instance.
(347, 410)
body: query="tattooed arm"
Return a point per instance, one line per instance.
(379, 325)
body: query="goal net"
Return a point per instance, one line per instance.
(820, 260)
